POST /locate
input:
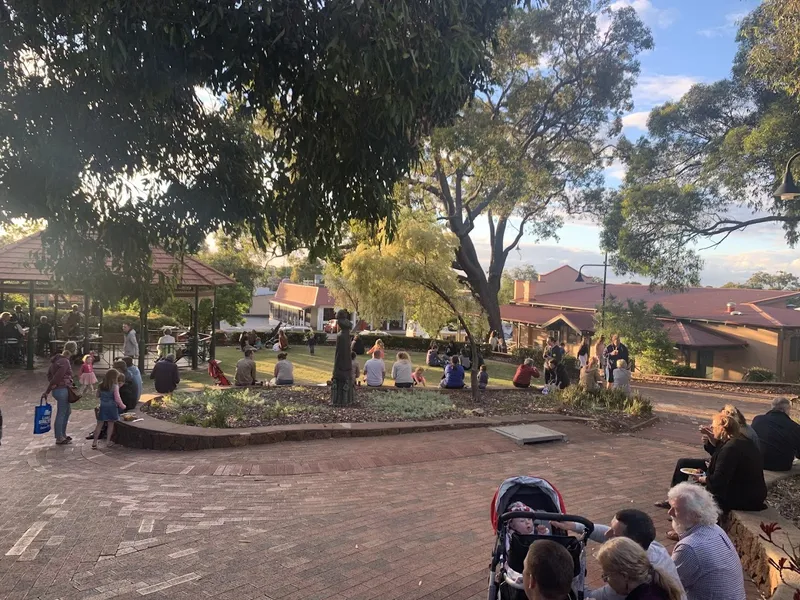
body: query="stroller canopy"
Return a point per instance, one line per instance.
(537, 493)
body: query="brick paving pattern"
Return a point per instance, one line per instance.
(362, 518)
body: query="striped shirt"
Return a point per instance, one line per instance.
(708, 565)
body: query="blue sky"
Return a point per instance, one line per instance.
(694, 42)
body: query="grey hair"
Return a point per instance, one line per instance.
(528, 362)
(71, 347)
(697, 500)
(781, 404)
(170, 357)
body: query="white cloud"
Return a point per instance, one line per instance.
(648, 12)
(729, 27)
(615, 172)
(636, 120)
(655, 89)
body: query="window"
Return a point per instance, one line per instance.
(794, 348)
(328, 314)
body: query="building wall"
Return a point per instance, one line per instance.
(530, 336)
(260, 306)
(762, 351)
(790, 370)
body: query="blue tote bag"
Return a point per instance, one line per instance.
(42, 416)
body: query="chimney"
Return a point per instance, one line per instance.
(524, 290)
(731, 307)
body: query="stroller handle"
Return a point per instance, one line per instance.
(546, 516)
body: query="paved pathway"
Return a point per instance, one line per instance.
(393, 517)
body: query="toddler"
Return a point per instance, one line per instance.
(483, 377)
(87, 377)
(524, 527)
(418, 376)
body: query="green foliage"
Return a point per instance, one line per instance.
(560, 88)
(761, 280)
(411, 405)
(278, 411)
(97, 94)
(536, 354)
(677, 370)
(523, 272)
(187, 419)
(615, 400)
(304, 268)
(758, 374)
(647, 340)
(771, 32)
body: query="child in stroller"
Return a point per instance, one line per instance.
(522, 513)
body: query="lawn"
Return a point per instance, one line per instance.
(315, 369)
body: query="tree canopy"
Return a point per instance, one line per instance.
(524, 272)
(711, 160)
(761, 280)
(103, 132)
(534, 145)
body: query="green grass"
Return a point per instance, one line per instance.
(317, 368)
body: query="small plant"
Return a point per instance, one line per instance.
(187, 419)
(790, 562)
(614, 400)
(412, 405)
(758, 374)
(681, 371)
(278, 410)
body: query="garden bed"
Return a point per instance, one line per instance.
(785, 497)
(238, 408)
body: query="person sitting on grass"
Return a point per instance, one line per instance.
(465, 357)
(522, 378)
(375, 370)
(622, 377)
(453, 378)
(284, 371)
(483, 377)
(356, 368)
(165, 374)
(432, 357)
(419, 376)
(402, 371)
(245, 369)
(548, 571)
(559, 378)
(591, 379)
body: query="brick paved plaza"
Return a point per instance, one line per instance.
(392, 517)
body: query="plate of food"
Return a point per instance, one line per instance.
(691, 471)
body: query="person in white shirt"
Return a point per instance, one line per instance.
(639, 527)
(402, 371)
(166, 344)
(375, 370)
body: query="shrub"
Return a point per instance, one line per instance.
(187, 419)
(278, 410)
(681, 371)
(757, 374)
(614, 400)
(417, 344)
(412, 405)
(536, 354)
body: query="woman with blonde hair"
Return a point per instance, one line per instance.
(744, 428)
(591, 379)
(378, 345)
(628, 571)
(403, 371)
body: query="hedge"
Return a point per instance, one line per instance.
(417, 344)
(112, 322)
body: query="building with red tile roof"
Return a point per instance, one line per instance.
(720, 332)
(299, 304)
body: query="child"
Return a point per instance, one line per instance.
(356, 368)
(483, 377)
(311, 340)
(379, 345)
(110, 405)
(523, 526)
(418, 377)
(87, 376)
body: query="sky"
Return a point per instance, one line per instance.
(694, 42)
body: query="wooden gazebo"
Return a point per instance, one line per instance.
(19, 274)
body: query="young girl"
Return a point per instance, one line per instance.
(379, 345)
(110, 405)
(87, 377)
(483, 378)
(418, 377)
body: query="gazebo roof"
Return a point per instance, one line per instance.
(17, 265)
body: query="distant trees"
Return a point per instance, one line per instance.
(761, 280)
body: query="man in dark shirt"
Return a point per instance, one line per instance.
(778, 435)
(166, 376)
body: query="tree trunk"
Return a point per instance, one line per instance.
(484, 289)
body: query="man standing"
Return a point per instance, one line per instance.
(778, 436)
(614, 352)
(22, 318)
(72, 323)
(166, 344)
(130, 347)
(707, 562)
(245, 369)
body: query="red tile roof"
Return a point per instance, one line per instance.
(17, 263)
(692, 335)
(694, 303)
(533, 315)
(302, 296)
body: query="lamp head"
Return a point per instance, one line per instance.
(579, 279)
(788, 189)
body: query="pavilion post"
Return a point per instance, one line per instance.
(55, 315)
(212, 352)
(195, 328)
(143, 308)
(2, 298)
(31, 329)
(86, 310)
(100, 329)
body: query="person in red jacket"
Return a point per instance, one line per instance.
(522, 378)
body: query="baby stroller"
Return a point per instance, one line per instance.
(215, 371)
(511, 547)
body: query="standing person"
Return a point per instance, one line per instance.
(130, 346)
(72, 322)
(165, 374)
(453, 375)
(243, 341)
(615, 351)
(599, 351)
(402, 371)
(483, 377)
(494, 343)
(135, 375)
(311, 340)
(87, 377)
(22, 317)
(284, 371)
(166, 344)
(375, 370)
(357, 345)
(583, 353)
(110, 405)
(524, 373)
(60, 377)
(629, 572)
(44, 335)
(245, 369)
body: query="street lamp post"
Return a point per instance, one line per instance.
(580, 279)
(788, 189)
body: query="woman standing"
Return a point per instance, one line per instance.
(628, 571)
(131, 346)
(60, 377)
